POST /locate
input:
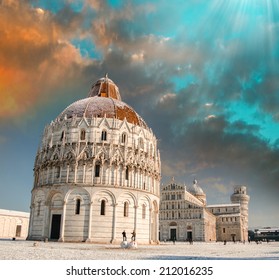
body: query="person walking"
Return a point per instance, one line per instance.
(124, 235)
(133, 235)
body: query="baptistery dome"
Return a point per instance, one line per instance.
(104, 100)
(96, 173)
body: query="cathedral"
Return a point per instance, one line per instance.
(185, 216)
(97, 172)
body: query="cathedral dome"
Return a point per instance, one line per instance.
(196, 189)
(104, 100)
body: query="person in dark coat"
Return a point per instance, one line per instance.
(133, 235)
(124, 235)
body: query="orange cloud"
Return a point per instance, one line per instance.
(14, 89)
(34, 55)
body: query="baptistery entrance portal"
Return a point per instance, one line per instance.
(55, 226)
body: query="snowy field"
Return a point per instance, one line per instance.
(29, 250)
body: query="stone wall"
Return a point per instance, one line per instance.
(101, 216)
(13, 224)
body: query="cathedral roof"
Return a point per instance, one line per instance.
(104, 100)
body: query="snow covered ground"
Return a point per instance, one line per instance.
(29, 250)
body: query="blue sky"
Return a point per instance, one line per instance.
(203, 75)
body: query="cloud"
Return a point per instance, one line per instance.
(34, 57)
(210, 117)
(180, 68)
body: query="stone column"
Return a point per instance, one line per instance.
(60, 172)
(89, 222)
(63, 223)
(83, 174)
(109, 179)
(113, 237)
(135, 218)
(31, 221)
(155, 225)
(47, 174)
(150, 225)
(44, 235)
(135, 177)
(101, 172)
(75, 176)
(138, 178)
(53, 169)
(121, 181)
(93, 170)
(116, 169)
(68, 169)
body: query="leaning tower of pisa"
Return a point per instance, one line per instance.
(240, 196)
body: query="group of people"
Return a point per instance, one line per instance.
(133, 238)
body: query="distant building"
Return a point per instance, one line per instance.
(13, 224)
(184, 215)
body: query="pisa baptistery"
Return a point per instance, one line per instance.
(96, 173)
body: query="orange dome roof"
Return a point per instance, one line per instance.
(105, 87)
(104, 100)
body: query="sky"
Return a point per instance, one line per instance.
(202, 74)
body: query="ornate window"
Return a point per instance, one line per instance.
(103, 207)
(82, 134)
(97, 170)
(57, 171)
(62, 135)
(141, 146)
(126, 209)
(77, 208)
(151, 149)
(127, 173)
(104, 135)
(123, 138)
(39, 208)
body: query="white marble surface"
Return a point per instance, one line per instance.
(30, 250)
